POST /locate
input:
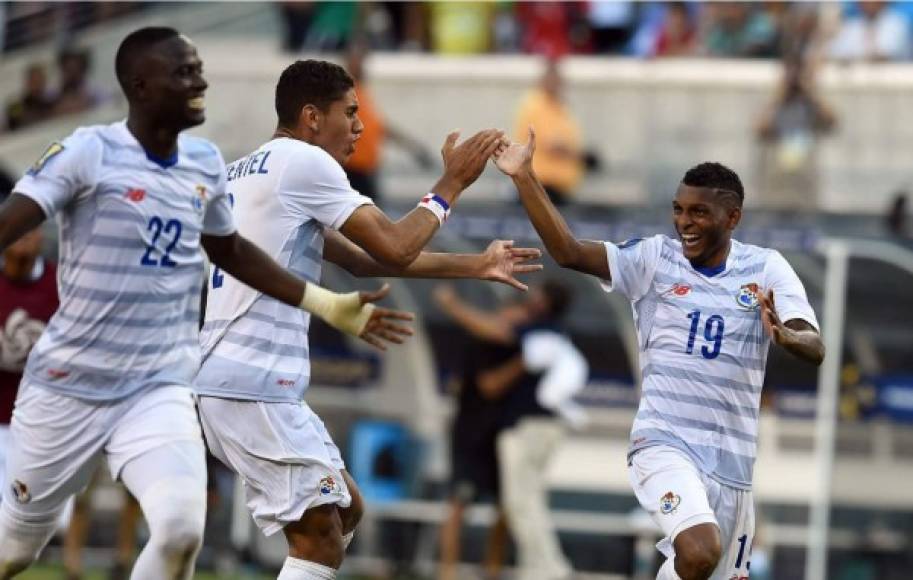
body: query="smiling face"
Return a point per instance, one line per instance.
(171, 86)
(704, 219)
(336, 129)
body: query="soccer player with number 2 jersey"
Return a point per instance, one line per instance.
(706, 308)
(292, 197)
(110, 377)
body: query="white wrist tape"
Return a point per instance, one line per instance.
(342, 311)
(436, 205)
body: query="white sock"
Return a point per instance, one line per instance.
(667, 571)
(295, 569)
(346, 540)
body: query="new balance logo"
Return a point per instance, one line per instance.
(135, 195)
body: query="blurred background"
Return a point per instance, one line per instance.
(810, 103)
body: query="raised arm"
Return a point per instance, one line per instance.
(353, 313)
(581, 255)
(479, 323)
(18, 216)
(796, 336)
(500, 262)
(494, 382)
(398, 244)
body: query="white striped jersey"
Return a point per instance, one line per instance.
(284, 194)
(703, 348)
(131, 267)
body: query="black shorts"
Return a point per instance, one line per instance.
(474, 469)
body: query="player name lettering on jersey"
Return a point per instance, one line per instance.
(254, 347)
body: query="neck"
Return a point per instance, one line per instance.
(282, 131)
(19, 269)
(160, 141)
(717, 259)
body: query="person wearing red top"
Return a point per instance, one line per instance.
(28, 298)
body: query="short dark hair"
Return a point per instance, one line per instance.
(309, 82)
(559, 297)
(714, 175)
(134, 45)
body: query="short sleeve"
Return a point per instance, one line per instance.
(790, 299)
(219, 220)
(632, 265)
(64, 171)
(318, 188)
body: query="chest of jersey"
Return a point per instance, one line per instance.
(705, 319)
(149, 220)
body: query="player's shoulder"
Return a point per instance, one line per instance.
(641, 242)
(752, 260)
(83, 148)
(753, 253)
(305, 160)
(93, 138)
(313, 153)
(201, 152)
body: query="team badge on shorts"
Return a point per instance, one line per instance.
(21, 491)
(747, 297)
(669, 503)
(329, 486)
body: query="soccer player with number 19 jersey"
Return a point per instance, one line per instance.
(110, 377)
(705, 311)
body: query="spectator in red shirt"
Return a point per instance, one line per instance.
(552, 29)
(28, 298)
(678, 35)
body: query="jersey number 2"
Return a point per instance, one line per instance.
(217, 277)
(157, 226)
(713, 333)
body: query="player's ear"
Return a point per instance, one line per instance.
(735, 216)
(310, 117)
(135, 88)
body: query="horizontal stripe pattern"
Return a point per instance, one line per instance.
(248, 336)
(701, 380)
(124, 326)
(691, 376)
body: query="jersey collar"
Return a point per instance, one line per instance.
(711, 272)
(163, 162)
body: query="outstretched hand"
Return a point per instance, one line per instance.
(502, 261)
(775, 328)
(464, 163)
(384, 326)
(517, 156)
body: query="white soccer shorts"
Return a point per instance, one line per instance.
(283, 454)
(678, 496)
(57, 442)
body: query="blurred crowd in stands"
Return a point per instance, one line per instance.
(26, 23)
(848, 31)
(38, 101)
(845, 31)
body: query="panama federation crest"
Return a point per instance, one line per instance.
(21, 491)
(669, 503)
(329, 486)
(747, 296)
